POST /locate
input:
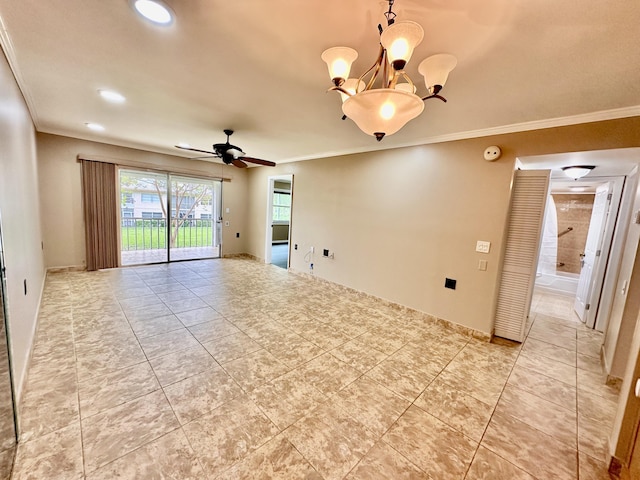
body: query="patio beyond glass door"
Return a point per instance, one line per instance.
(143, 222)
(168, 218)
(195, 218)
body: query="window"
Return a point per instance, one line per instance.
(152, 215)
(205, 216)
(127, 198)
(281, 206)
(150, 198)
(127, 217)
(185, 201)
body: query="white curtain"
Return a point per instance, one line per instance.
(549, 247)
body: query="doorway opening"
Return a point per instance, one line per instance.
(278, 228)
(165, 217)
(580, 220)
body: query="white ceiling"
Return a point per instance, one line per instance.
(254, 66)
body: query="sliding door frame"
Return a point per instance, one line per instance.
(216, 216)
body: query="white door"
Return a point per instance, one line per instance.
(592, 251)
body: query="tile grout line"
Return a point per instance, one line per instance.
(75, 358)
(496, 406)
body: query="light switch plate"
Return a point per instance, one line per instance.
(482, 265)
(482, 246)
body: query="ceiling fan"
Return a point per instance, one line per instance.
(230, 154)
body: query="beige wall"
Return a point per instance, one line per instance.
(21, 230)
(60, 187)
(400, 221)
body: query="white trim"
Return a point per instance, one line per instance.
(268, 238)
(20, 384)
(7, 46)
(268, 230)
(599, 116)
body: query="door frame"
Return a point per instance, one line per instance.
(216, 217)
(615, 231)
(268, 238)
(597, 294)
(604, 275)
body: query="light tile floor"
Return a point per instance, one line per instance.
(232, 369)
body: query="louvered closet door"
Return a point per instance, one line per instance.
(528, 199)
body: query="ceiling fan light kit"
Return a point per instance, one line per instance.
(383, 99)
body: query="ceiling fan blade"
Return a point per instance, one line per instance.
(259, 162)
(238, 163)
(196, 150)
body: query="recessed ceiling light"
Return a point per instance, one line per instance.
(111, 96)
(96, 127)
(184, 145)
(154, 11)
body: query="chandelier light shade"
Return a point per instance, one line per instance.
(399, 40)
(382, 111)
(383, 99)
(339, 60)
(577, 171)
(436, 69)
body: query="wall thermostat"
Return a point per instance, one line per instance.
(492, 153)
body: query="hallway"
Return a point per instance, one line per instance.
(234, 369)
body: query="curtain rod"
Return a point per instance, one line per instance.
(150, 166)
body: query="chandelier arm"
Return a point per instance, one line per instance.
(385, 71)
(394, 79)
(376, 67)
(435, 95)
(408, 79)
(340, 89)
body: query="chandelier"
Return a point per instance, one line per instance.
(383, 99)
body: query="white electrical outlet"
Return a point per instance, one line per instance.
(482, 246)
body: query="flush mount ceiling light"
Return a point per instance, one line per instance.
(577, 171)
(96, 127)
(111, 96)
(383, 99)
(154, 11)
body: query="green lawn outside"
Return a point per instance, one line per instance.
(155, 237)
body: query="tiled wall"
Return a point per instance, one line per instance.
(573, 211)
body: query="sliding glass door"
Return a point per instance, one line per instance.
(143, 217)
(166, 217)
(195, 218)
